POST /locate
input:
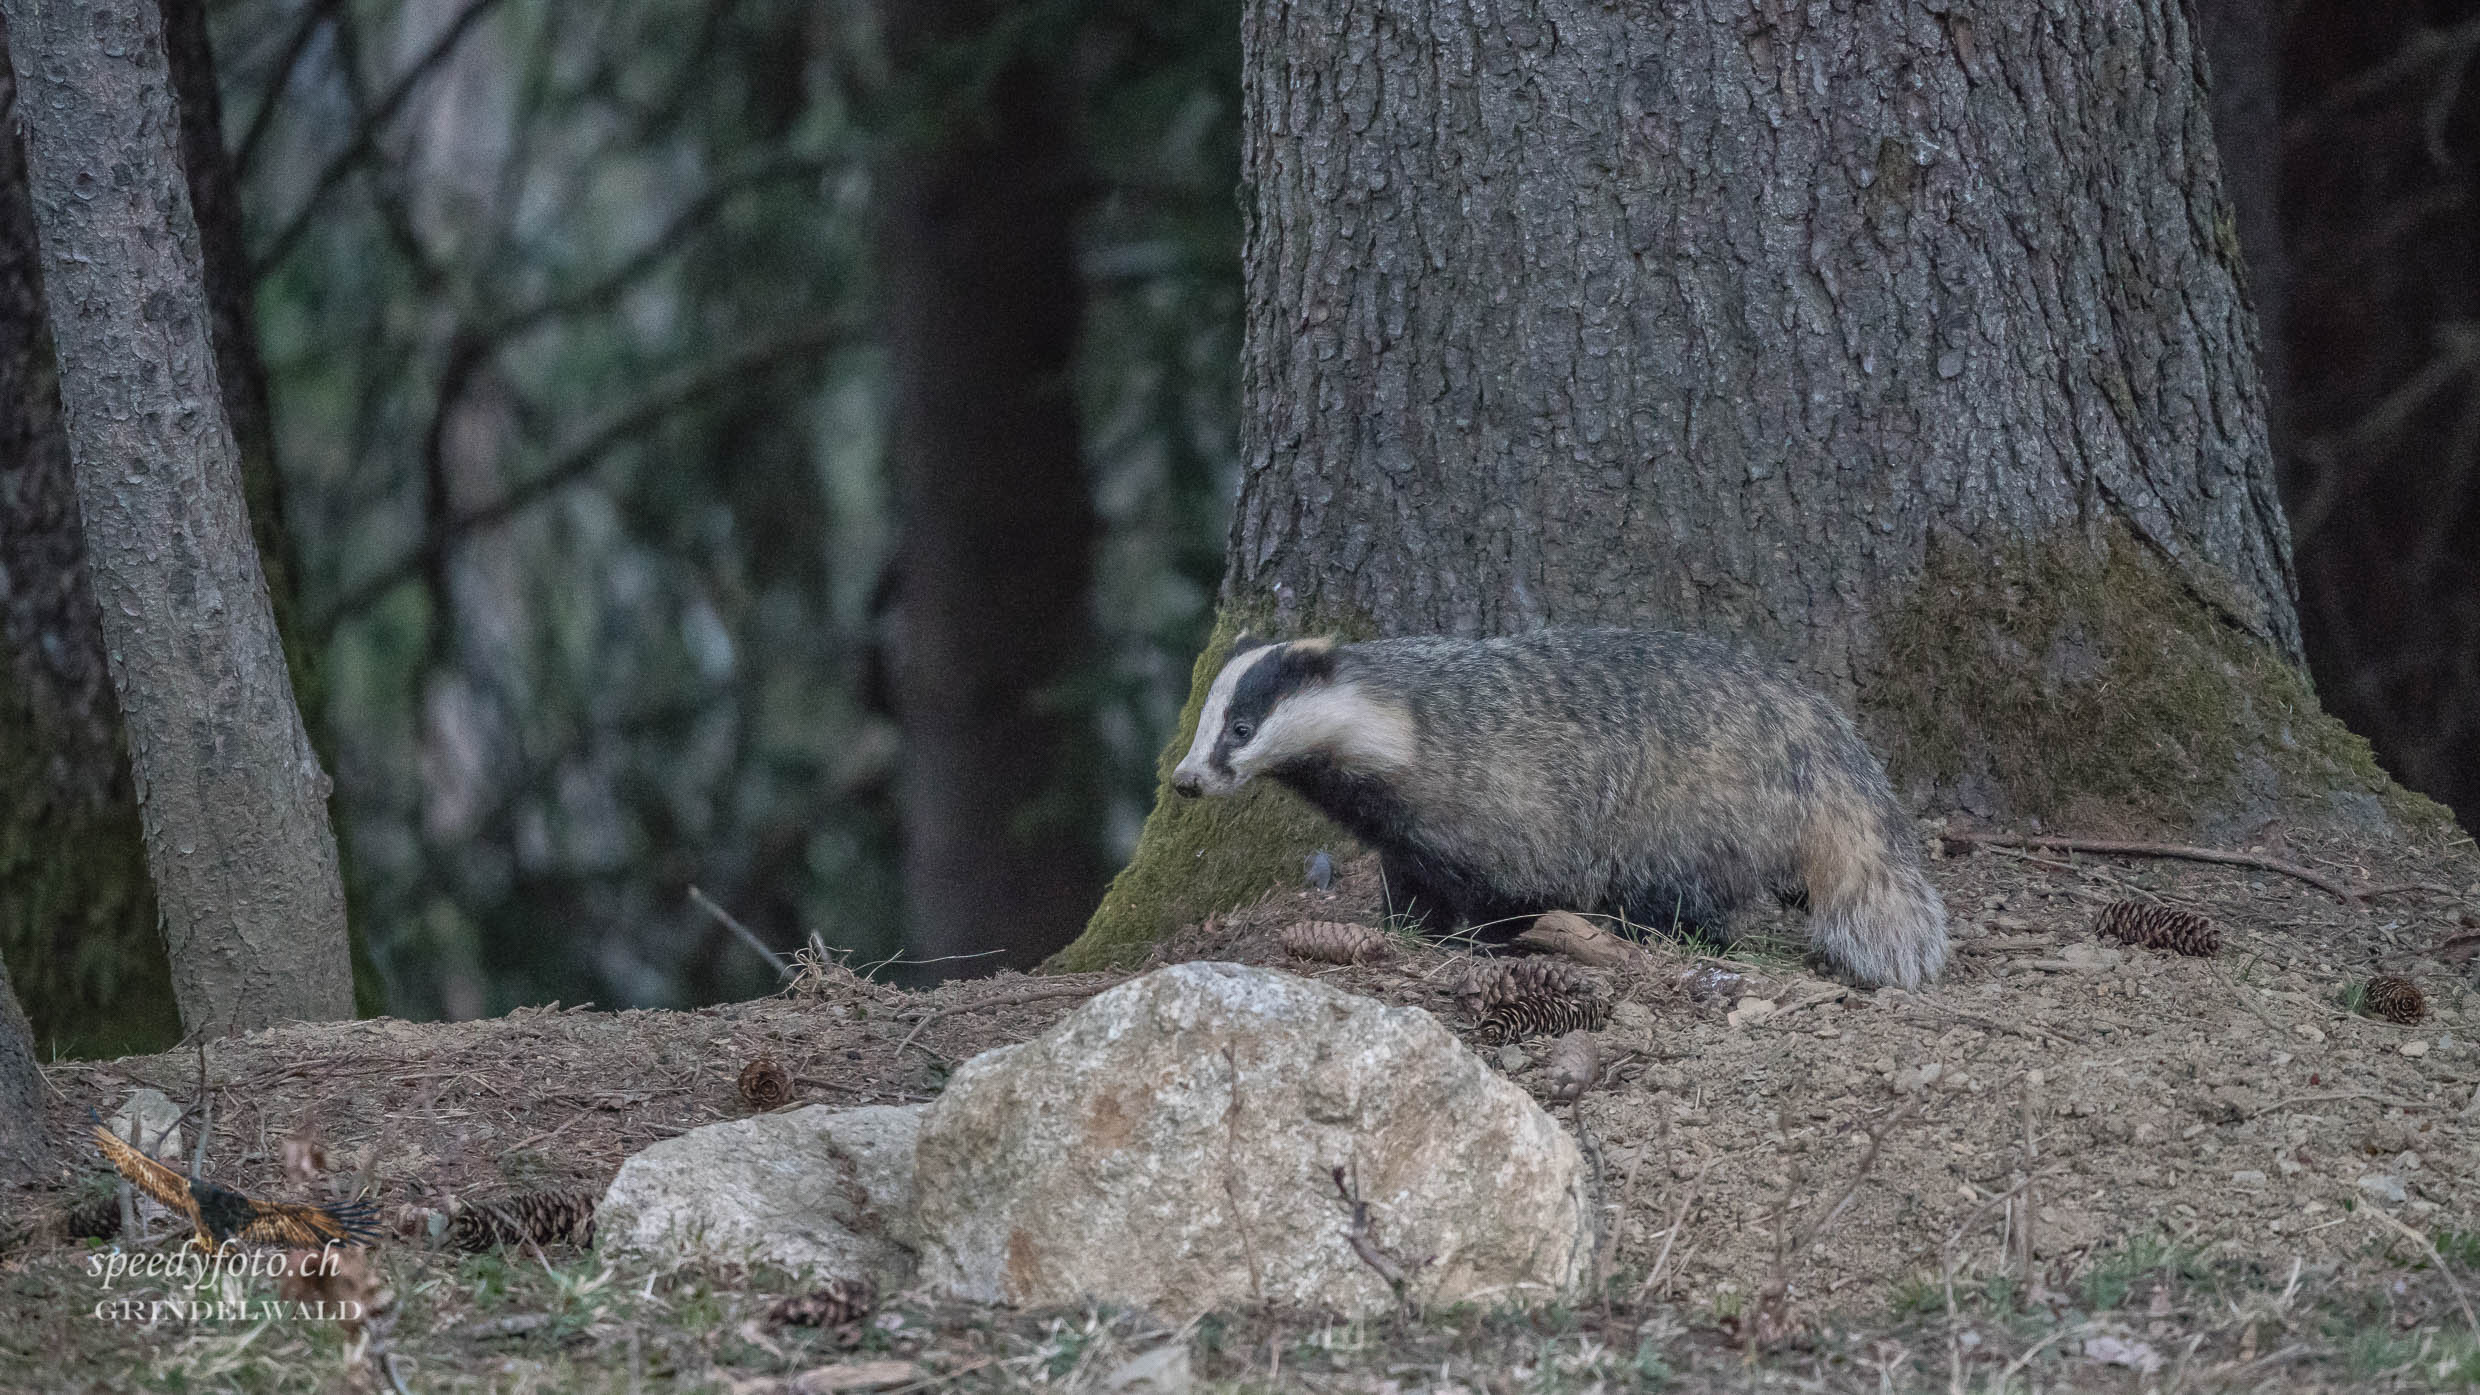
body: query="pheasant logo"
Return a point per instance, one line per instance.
(218, 1215)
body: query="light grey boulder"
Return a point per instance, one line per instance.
(1172, 1144)
(822, 1191)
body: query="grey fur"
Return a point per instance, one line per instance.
(1649, 774)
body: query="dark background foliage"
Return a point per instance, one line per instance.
(574, 321)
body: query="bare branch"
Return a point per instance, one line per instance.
(280, 77)
(585, 454)
(2178, 850)
(365, 134)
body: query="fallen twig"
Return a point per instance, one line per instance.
(2034, 1350)
(2429, 1248)
(1677, 1220)
(1397, 1274)
(2032, 1276)
(996, 1000)
(2387, 1100)
(2184, 851)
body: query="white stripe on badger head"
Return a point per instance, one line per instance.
(1193, 767)
(1339, 721)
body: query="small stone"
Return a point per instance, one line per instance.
(2247, 1179)
(1631, 1016)
(2307, 1031)
(159, 1122)
(1751, 1010)
(1162, 1371)
(1917, 1078)
(2413, 1049)
(1511, 1058)
(2384, 1187)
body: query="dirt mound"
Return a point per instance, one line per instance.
(2230, 1107)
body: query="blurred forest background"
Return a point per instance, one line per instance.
(594, 335)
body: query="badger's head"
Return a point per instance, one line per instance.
(1277, 703)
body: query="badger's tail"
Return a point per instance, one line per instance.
(1871, 912)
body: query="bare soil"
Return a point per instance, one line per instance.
(2210, 1144)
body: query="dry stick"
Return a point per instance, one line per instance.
(1016, 999)
(1231, 1187)
(2179, 850)
(1393, 1271)
(2436, 1259)
(2387, 1100)
(2035, 1349)
(2032, 1283)
(1677, 1220)
(2083, 870)
(748, 936)
(1618, 1223)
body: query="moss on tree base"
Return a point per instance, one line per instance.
(1199, 856)
(2069, 679)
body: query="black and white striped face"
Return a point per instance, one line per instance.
(1275, 703)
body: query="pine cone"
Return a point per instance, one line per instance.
(1332, 942)
(544, 1218)
(831, 1304)
(2394, 998)
(765, 1085)
(2158, 927)
(1494, 983)
(1537, 1017)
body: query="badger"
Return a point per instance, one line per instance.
(1650, 775)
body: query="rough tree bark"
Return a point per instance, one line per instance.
(1901, 344)
(77, 913)
(995, 563)
(2243, 42)
(232, 795)
(24, 1151)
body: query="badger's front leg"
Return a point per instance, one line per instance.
(1414, 898)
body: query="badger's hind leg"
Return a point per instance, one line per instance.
(1871, 911)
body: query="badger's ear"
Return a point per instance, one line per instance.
(1311, 660)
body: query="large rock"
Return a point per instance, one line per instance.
(816, 1190)
(1172, 1142)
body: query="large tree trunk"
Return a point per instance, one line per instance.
(1904, 346)
(995, 567)
(24, 1151)
(232, 795)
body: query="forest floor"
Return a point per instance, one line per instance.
(2237, 1181)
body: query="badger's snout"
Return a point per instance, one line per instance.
(1187, 786)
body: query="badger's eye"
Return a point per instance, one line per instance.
(1242, 731)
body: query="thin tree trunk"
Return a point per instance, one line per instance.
(77, 912)
(1901, 344)
(995, 564)
(232, 795)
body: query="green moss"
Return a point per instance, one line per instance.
(2059, 674)
(1199, 856)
